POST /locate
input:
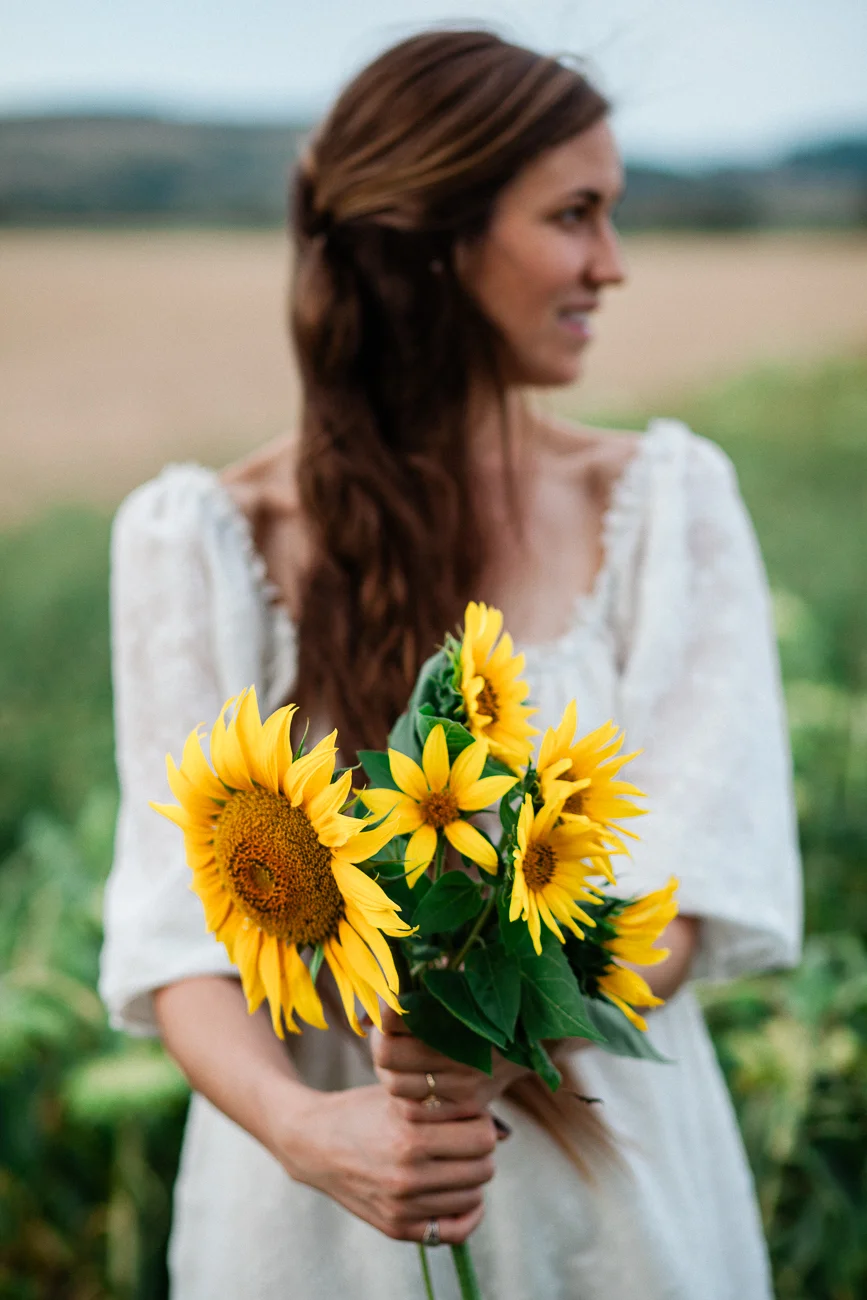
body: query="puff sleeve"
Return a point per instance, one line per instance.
(701, 693)
(185, 636)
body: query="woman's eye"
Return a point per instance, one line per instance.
(573, 216)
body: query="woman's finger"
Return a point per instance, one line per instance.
(455, 1141)
(452, 1230)
(441, 1205)
(409, 1055)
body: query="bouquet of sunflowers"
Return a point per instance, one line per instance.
(501, 935)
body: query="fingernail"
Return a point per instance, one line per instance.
(503, 1129)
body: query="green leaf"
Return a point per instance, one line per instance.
(428, 1020)
(509, 814)
(551, 1002)
(457, 737)
(518, 1052)
(622, 1038)
(493, 767)
(403, 737)
(377, 769)
(450, 987)
(544, 1066)
(316, 961)
(494, 979)
(448, 904)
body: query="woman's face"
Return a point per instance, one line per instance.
(549, 251)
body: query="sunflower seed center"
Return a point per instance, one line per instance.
(440, 808)
(575, 803)
(488, 703)
(276, 869)
(540, 863)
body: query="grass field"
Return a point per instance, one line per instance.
(121, 351)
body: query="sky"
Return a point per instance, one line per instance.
(693, 81)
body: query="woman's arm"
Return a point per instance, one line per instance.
(356, 1145)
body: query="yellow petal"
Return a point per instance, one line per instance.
(197, 770)
(344, 986)
(407, 775)
(468, 767)
(361, 890)
(248, 727)
(309, 776)
(227, 755)
(419, 852)
(365, 842)
(547, 917)
(435, 759)
(246, 958)
(301, 989)
(269, 970)
(485, 792)
(380, 800)
(361, 959)
(472, 844)
(375, 941)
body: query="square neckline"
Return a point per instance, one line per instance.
(587, 606)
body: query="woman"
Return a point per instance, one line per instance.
(453, 233)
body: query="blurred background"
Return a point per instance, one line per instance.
(144, 156)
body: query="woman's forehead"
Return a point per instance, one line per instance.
(589, 161)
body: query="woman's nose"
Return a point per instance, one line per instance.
(608, 266)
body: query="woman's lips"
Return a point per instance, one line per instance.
(576, 322)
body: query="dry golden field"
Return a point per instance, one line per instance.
(120, 351)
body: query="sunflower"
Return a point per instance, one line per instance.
(638, 927)
(553, 860)
(431, 798)
(584, 773)
(274, 863)
(492, 690)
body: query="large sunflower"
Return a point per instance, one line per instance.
(553, 862)
(274, 862)
(433, 797)
(493, 693)
(638, 927)
(584, 774)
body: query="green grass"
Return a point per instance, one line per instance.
(90, 1122)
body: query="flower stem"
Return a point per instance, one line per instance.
(466, 1273)
(425, 1273)
(440, 854)
(455, 961)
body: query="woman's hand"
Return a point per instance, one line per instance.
(360, 1149)
(402, 1064)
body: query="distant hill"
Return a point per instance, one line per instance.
(97, 170)
(121, 169)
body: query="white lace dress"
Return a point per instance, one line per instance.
(675, 643)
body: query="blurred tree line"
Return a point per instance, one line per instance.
(90, 1122)
(113, 169)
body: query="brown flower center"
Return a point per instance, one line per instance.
(540, 863)
(276, 869)
(487, 702)
(440, 808)
(575, 802)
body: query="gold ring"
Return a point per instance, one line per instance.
(431, 1101)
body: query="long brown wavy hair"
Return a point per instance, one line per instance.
(409, 161)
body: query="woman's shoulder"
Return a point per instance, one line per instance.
(187, 499)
